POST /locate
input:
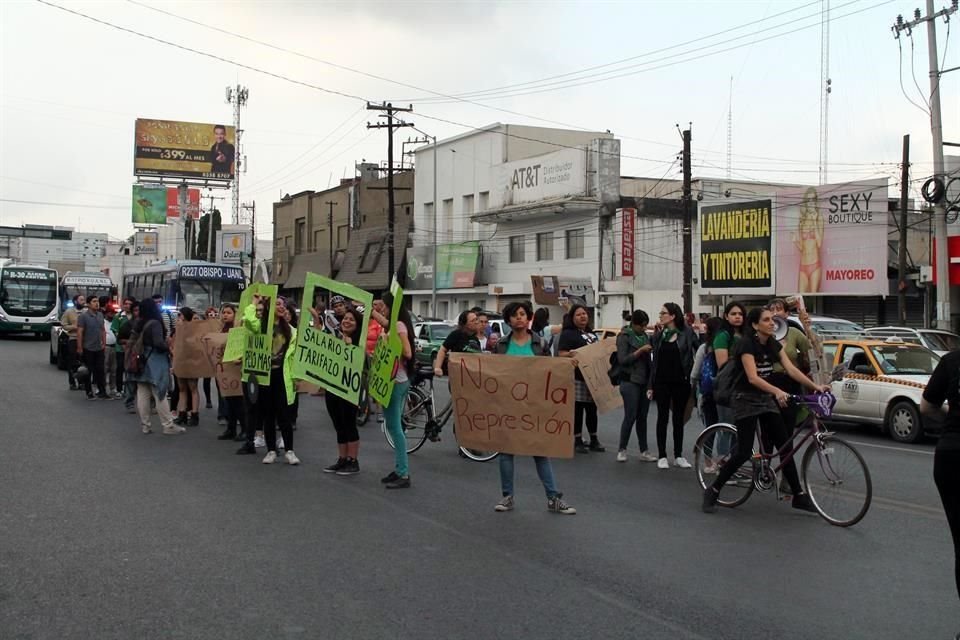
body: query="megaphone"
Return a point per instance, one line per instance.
(780, 328)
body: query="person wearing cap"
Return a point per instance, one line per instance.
(333, 315)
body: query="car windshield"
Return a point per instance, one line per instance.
(942, 341)
(905, 360)
(440, 331)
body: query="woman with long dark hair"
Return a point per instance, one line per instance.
(548, 332)
(523, 342)
(674, 348)
(705, 366)
(153, 381)
(273, 403)
(399, 478)
(755, 401)
(233, 405)
(726, 338)
(292, 318)
(188, 402)
(633, 356)
(343, 413)
(577, 332)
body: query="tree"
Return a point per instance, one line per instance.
(203, 240)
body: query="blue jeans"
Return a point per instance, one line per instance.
(544, 470)
(392, 418)
(636, 405)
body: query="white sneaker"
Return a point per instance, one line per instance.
(270, 458)
(681, 462)
(663, 464)
(646, 456)
(173, 430)
(292, 458)
(259, 442)
(145, 430)
(621, 456)
(280, 443)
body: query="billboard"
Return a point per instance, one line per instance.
(145, 243)
(627, 239)
(563, 290)
(234, 246)
(184, 150)
(553, 175)
(736, 248)
(832, 239)
(156, 204)
(456, 266)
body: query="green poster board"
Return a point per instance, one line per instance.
(386, 356)
(258, 303)
(236, 343)
(322, 357)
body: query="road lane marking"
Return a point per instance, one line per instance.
(886, 446)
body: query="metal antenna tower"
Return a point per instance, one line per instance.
(825, 86)
(237, 96)
(730, 133)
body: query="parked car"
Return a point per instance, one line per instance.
(940, 342)
(882, 384)
(830, 328)
(428, 338)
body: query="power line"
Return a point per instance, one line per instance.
(64, 204)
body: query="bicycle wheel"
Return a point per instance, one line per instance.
(713, 449)
(479, 456)
(837, 480)
(416, 413)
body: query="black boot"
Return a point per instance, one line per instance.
(581, 446)
(247, 449)
(193, 420)
(595, 445)
(181, 418)
(228, 434)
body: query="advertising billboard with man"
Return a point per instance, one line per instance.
(184, 150)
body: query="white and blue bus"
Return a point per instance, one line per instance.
(193, 284)
(28, 299)
(89, 284)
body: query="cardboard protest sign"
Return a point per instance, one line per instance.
(189, 357)
(322, 357)
(260, 300)
(594, 363)
(227, 373)
(386, 355)
(503, 404)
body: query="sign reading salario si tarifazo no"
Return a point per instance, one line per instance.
(736, 241)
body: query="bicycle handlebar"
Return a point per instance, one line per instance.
(821, 404)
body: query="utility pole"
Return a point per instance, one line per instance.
(433, 280)
(211, 237)
(936, 129)
(687, 224)
(390, 110)
(237, 96)
(902, 249)
(330, 234)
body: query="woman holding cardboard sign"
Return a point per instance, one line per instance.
(521, 342)
(577, 333)
(189, 397)
(274, 401)
(399, 478)
(343, 413)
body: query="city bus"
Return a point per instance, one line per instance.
(92, 284)
(28, 299)
(193, 284)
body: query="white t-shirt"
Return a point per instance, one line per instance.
(111, 337)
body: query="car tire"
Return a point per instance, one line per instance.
(903, 422)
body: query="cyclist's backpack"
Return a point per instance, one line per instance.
(725, 383)
(708, 373)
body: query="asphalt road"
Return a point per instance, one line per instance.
(107, 533)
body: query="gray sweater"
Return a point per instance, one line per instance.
(634, 368)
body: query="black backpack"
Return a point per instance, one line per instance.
(614, 371)
(726, 383)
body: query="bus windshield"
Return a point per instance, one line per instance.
(28, 292)
(200, 294)
(72, 290)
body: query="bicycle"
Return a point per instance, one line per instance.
(420, 423)
(838, 483)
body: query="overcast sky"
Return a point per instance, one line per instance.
(71, 88)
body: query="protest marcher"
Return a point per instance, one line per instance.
(343, 413)
(153, 381)
(211, 314)
(188, 402)
(674, 348)
(633, 357)
(705, 370)
(548, 332)
(110, 367)
(522, 342)
(292, 318)
(91, 344)
(577, 333)
(463, 339)
(68, 346)
(797, 347)
(252, 316)
(483, 328)
(273, 403)
(234, 410)
(120, 321)
(399, 478)
(123, 342)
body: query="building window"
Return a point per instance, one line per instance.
(317, 235)
(343, 236)
(371, 255)
(484, 201)
(446, 221)
(300, 237)
(574, 244)
(428, 215)
(424, 308)
(517, 248)
(545, 246)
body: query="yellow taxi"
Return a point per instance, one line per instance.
(882, 383)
